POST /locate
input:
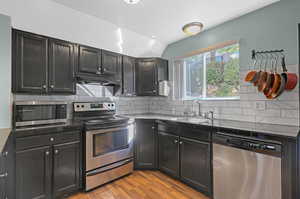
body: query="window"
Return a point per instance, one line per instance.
(212, 75)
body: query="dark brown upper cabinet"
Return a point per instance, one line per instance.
(30, 63)
(42, 65)
(128, 88)
(111, 63)
(89, 61)
(149, 71)
(61, 67)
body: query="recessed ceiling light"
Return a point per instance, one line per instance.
(192, 28)
(132, 1)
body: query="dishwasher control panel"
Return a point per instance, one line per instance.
(263, 146)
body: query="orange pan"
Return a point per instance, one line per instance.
(275, 86)
(291, 78)
(263, 78)
(250, 75)
(270, 79)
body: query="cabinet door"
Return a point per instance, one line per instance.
(111, 63)
(196, 164)
(30, 63)
(66, 169)
(168, 152)
(146, 145)
(146, 80)
(33, 173)
(61, 67)
(128, 76)
(162, 70)
(89, 61)
(3, 177)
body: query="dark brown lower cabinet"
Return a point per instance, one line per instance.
(50, 171)
(145, 145)
(168, 153)
(33, 173)
(66, 168)
(195, 164)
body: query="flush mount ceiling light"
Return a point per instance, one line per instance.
(192, 28)
(132, 1)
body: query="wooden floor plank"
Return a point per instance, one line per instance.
(143, 185)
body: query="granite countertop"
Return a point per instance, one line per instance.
(69, 126)
(270, 129)
(4, 134)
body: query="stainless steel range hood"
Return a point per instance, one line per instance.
(103, 80)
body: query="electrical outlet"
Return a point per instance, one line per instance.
(260, 105)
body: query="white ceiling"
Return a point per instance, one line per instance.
(163, 19)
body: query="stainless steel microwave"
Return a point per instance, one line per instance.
(33, 113)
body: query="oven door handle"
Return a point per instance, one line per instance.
(110, 167)
(108, 129)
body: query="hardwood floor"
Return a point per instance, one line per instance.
(143, 185)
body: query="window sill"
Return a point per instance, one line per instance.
(212, 99)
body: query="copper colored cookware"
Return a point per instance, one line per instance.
(291, 78)
(261, 84)
(275, 86)
(281, 87)
(250, 75)
(257, 75)
(270, 79)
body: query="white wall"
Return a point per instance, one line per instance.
(52, 19)
(5, 72)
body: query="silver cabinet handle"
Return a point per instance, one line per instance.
(4, 175)
(180, 142)
(5, 154)
(51, 139)
(153, 127)
(98, 73)
(52, 86)
(154, 91)
(56, 151)
(47, 153)
(104, 69)
(44, 86)
(175, 141)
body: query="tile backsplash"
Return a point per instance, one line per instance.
(252, 105)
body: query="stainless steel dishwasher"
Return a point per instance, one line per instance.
(246, 168)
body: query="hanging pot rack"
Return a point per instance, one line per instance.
(271, 83)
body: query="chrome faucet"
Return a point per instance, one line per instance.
(206, 115)
(199, 108)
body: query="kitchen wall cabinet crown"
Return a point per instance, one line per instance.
(42, 65)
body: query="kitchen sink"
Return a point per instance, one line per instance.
(190, 119)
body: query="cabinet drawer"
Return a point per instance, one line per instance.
(168, 127)
(49, 139)
(196, 132)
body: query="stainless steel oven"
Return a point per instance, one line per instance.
(32, 113)
(109, 154)
(106, 146)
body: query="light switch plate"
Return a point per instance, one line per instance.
(260, 105)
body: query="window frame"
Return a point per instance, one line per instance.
(205, 52)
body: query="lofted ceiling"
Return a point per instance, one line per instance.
(163, 19)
